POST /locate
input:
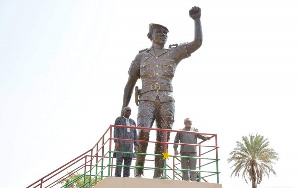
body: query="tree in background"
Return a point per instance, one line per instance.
(253, 159)
(77, 181)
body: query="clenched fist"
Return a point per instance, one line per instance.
(195, 12)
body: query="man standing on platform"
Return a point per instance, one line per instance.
(124, 145)
(186, 150)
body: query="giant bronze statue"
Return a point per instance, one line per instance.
(156, 67)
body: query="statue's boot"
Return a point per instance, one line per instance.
(140, 160)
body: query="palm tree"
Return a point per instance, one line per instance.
(253, 159)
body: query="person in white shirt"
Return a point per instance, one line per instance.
(187, 150)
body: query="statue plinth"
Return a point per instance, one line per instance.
(113, 182)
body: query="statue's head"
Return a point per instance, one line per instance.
(158, 33)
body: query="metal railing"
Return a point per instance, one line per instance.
(98, 162)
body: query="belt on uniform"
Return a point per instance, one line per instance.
(157, 87)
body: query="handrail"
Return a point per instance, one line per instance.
(99, 156)
(58, 169)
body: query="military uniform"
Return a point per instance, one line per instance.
(156, 102)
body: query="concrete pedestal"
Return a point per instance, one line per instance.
(113, 182)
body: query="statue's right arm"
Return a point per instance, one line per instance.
(134, 75)
(129, 89)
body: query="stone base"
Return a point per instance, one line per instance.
(113, 182)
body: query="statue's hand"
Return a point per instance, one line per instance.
(195, 12)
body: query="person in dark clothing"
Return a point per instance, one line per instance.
(187, 150)
(122, 145)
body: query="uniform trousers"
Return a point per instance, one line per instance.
(163, 113)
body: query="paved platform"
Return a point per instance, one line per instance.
(113, 182)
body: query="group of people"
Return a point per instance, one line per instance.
(124, 148)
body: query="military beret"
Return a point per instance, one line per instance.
(154, 26)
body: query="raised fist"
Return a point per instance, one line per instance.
(195, 12)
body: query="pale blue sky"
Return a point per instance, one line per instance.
(63, 68)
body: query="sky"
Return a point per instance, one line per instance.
(63, 68)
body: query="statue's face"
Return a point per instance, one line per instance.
(159, 35)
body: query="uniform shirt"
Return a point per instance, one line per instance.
(156, 71)
(187, 138)
(125, 133)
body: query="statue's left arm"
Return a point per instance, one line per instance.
(195, 14)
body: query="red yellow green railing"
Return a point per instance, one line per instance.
(97, 163)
